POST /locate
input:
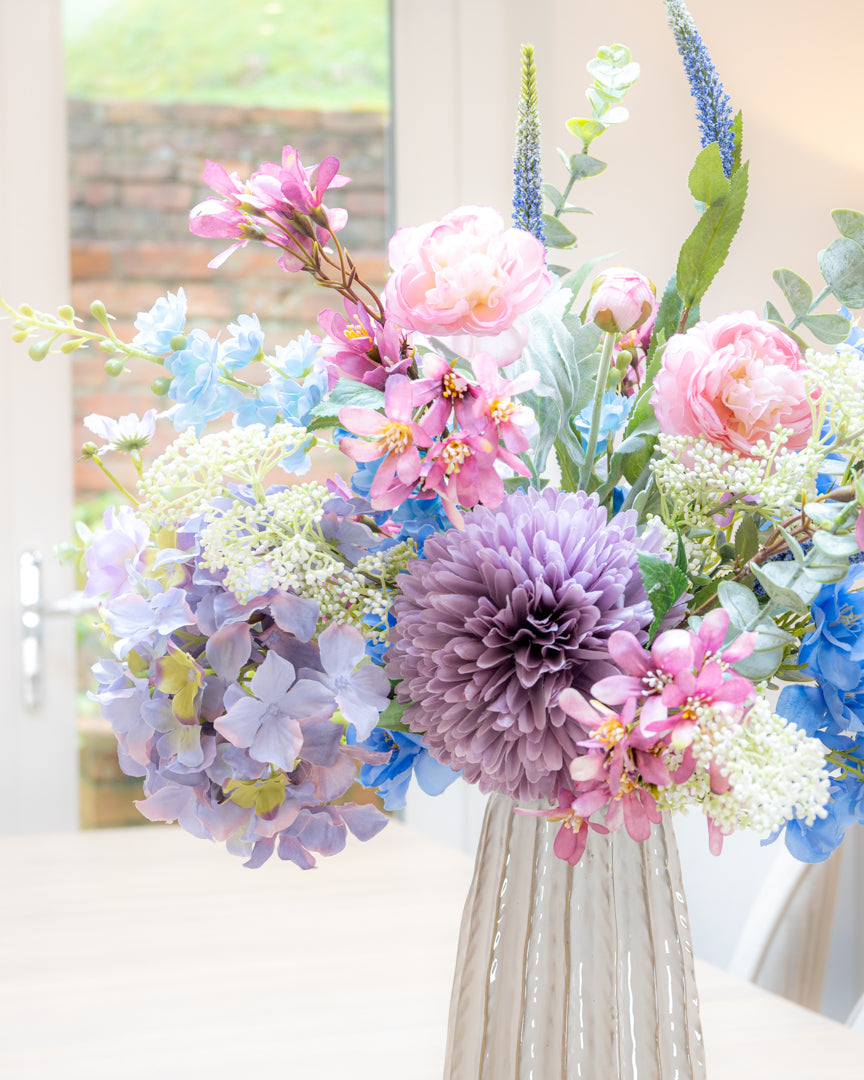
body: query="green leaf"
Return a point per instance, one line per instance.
(796, 290)
(707, 181)
(835, 545)
(842, 266)
(738, 131)
(348, 392)
(581, 166)
(557, 233)
(569, 208)
(664, 584)
(553, 195)
(740, 602)
(787, 585)
(746, 539)
(773, 315)
(392, 715)
(580, 275)
(850, 223)
(832, 329)
(705, 249)
(584, 129)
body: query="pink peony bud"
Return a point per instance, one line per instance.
(620, 300)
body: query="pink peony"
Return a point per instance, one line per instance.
(621, 300)
(466, 274)
(734, 380)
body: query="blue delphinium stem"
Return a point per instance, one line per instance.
(712, 103)
(527, 176)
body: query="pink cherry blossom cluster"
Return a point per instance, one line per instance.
(634, 753)
(280, 205)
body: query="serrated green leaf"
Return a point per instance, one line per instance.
(707, 182)
(392, 716)
(705, 249)
(850, 223)
(557, 233)
(746, 539)
(348, 392)
(842, 266)
(832, 329)
(580, 275)
(738, 133)
(664, 584)
(798, 293)
(740, 602)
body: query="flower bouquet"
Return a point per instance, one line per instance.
(581, 536)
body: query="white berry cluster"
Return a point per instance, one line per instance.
(776, 772)
(837, 381)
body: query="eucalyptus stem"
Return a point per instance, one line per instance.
(599, 392)
(799, 318)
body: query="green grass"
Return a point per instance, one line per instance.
(293, 54)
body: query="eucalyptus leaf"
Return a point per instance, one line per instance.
(787, 585)
(842, 266)
(796, 290)
(581, 166)
(348, 392)
(740, 602)
(584, 129)
(557, 233)
(832, 329)
(761, 665)
(553, 195)
(773, 315)
(834, 544)
(826, 513)
(850, 223)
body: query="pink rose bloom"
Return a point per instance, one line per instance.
(466, 274)
(621, 299)
(734, 380)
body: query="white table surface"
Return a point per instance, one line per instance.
(130, 953)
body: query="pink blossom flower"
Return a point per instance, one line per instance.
(734, 380)
(396, 439)
(621, 766)
(621, 299)
(465, 274)
(360, 348)
(683, 673)
(572, 838)
(512, 420)
(463, 470)
(446, 391)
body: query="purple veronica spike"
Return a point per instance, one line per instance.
(498, 619)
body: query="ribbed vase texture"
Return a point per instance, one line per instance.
(573, 972)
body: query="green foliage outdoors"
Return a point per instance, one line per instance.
(292, 54)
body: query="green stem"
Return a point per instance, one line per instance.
(599, 392)
(115, 481)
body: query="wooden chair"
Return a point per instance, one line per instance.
(784, 943)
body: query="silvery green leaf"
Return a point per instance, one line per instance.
(842, 266)
(831, 329)
(850, 223)
(788, 585)
(796, 290)
(348, 392)
(825, 513)
(759, 666)
(835, 545)
(740, 602)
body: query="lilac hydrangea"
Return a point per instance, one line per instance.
(498, 619)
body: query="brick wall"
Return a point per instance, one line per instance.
(135, 171)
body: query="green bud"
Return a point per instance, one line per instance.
(66, 312)
(178, 342)
(623, 360)
(39, 349)
(72, 345)
(114, 367)
(107, 346)
(726, 552)
(97, 310)
(26, 310)
(160, 386)
(89, 450)
(20, 335)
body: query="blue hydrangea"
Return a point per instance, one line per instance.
(196, 387)
(245, 344)
(614, 412)
(408, 757)
(164, 321)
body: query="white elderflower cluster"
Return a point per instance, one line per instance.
(776, 772)
(277, 542)
(696, 554)
(695, 475)
(839, 378)
(193, 472)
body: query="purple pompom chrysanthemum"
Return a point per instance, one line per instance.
(498, 619)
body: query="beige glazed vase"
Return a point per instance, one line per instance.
(573, 972)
